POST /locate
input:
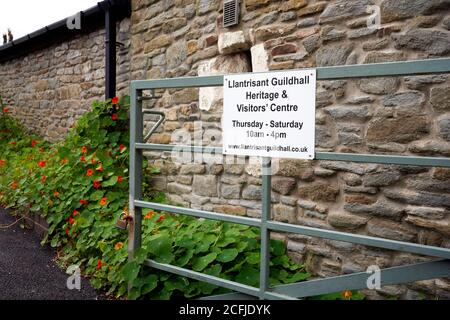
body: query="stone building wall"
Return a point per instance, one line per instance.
(404, 115)
(407, 115)
(50, 88)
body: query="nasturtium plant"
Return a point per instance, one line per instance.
(80, 185)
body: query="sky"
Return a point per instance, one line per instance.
(26, 16)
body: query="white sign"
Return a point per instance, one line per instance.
(270, 114)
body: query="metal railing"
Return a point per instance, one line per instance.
(395, 275)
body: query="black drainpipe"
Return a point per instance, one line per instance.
(110, 51)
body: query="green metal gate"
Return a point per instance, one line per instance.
(395, 275)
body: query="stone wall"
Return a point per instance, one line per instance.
(404, 115)
(407, 115)
(49, 89)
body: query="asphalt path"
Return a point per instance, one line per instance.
(28, 270)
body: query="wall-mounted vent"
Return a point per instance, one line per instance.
(230, 13)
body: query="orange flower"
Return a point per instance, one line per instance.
(347, 294)
(43, 179)
(84, 150)
(121, 147)
(89, 173)
(75, 213)
(2, 163)
(114, 117)
(115, 100)
(82, 159)
(93, 160)
(56, 194)
(5, 110)
(13, 142)
(103, 201)
(161, 218)
(83, 202)
(14, 185)
(34, 143)
(118, 246)
(64, 161)
(67, 232)
(97, 184)
(119, 179)
(42, 163)
(149, 215)
(99, 264)
(71, 221)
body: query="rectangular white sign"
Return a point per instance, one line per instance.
(270, 114)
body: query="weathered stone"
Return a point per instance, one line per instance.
(376, 44)
(441, 174)
(393, 10)
(319, 191)
(173, 24)
(333, 55)
(442, 226)
(260, 58)
(360, 33)
(359, 199)
(204, 6)
(159, 138)
(440, 98)
(283, 185)
(312, 9)
(427, 212)
(274, 31)
(419, 198)
(293, 4)
(352, 179)
(193, 168)
(284, 213)
(176, 54)
(252, 192)
(345, 220)
(178, 188)
(288, 16)
(312, 43)
(253, 4)
(211, 97)
(408, 99)
(158, 42)
(321, 172)
(348, 167)
(381, 179)
(232, 42)
(430, 147)
(228, 209)
(427, 40)
(401, 129)
(446, 23)
(377, 57)
(187, 95)
(230, 191)
(329, 33)
(343, 9)
(348, 112)
(420, 82)
(324, 137)
(284, 49)
(379, 85)
(380, 208)
(390, 230)
(205, 185)
(294, 168)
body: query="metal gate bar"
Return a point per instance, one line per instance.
(393, 275)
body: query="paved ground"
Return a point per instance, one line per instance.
(28, 270)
